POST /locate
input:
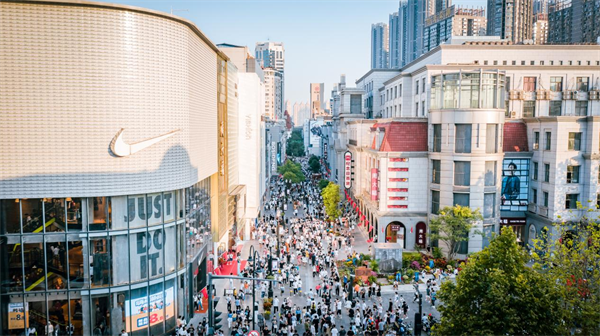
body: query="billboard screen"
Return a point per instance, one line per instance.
(515, 185)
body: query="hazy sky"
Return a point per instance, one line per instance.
(322, 38)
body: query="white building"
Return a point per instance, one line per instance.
(518, 139)
(273, 94)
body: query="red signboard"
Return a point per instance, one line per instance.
(397, 206)
(398, 189)
(421, 234)
(399, 160)
(348, 170)
(397, 198)
(396, 169)
(398, 179)
(374, 184)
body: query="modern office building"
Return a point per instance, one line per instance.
(379, 46)
(540, 7)
(510, 129)
(114, 156)
(511, 20)
(540, 28)
(573, 21)
(453, 21)
(273, 94)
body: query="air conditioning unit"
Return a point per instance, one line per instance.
(513, 114)
(594, 95)
(521, 95)
(541, 95)
(514, 94)
(568, 95)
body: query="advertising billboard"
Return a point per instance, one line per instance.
(515, 185)
(161, 307)
(17, 315)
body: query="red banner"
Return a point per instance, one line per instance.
(374, 184)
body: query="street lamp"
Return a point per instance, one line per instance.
(253, 258)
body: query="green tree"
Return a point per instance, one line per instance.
(331, 200)
(295, 144)
(291, 171)
(323, 183)
(570, 257)
(452, 226)
(497, 294)
(314, 164)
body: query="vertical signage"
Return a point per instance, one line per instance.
(325, 151)
(374, 184)
(273, 156)
(348, 170)
(421, 233)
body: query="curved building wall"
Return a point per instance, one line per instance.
(74, 75)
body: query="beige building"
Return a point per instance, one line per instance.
(540, 28)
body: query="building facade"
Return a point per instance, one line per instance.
(317, 99)
(453, 21)
(511, 20)
(574, 21)
(379, 46)
(540, 28)
(273, 94)
(108, 195)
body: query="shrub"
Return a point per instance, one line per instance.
(410, 273)
(440, 262)
(437, 253)
(409, 257)
(405, 278)
(374, 265)
(415, 265)
(364, 257)
(372, 279)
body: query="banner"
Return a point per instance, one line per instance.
(374, 184)
(161, 308)
(17, 315)
(348, 170)
(515, 185)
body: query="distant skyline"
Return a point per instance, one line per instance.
(322, 39)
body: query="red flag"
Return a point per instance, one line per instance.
(411, 230)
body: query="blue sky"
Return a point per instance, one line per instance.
(322, 38)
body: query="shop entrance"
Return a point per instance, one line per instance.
(395, 232)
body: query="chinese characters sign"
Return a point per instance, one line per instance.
(374, 184)
(348, 170)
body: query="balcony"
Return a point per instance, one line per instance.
(532, 207)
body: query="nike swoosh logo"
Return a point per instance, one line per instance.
(121, 148)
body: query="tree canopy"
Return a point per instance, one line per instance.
(295, 144)
(497, 294)
(569, 256)
(452, 226)
(291, 171)
(314, 164)
(331, 200)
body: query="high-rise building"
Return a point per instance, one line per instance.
(436, 6)
(270, 55)
(574, 21)
(540, 28)
(273, 93)
(379, 46)
(406, 31)
(453, 21)
(395, 41)
(317, 99)
(512, 20)
(416, 11)
(540, 7)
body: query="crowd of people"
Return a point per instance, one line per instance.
(310, 297)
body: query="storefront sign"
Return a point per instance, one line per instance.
(273, 157)
(513, 221)
(421, 234)
(348, 170)
(17, 315)
(374, 184)
(325, 151)
(149, 207)
(394, 227)
(161, 308)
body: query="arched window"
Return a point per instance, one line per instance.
(395, 232)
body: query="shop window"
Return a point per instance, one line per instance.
(58, 310)
(169, 303)
(99, 262)
(35, 266)
(462, 138)
(490, 173)
(168, 200)
(56, 258)
(155, 246)
(99, 210)
(54, 214)
(11, 273)
(138, 306)
(157, 309)
(119, 317)
(37, 311)
(74, 214)
(154, 204)
(32, 215)
(76, 309)
(121, 265)
(10, 216)
(77, 254)
(169, 248)
(100, 315)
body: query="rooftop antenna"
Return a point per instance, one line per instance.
(178, 10)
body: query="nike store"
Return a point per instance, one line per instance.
(109, 163)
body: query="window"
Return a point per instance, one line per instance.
(548, 143)
(395, 91)
(490, 173)
(462, 139)
(533, 196)
(355, 100)
(572, 174)
(556, 84)
(536, 140)
(574, 141)
(555, 108)
(528, 109)
(462, 173)
(571, 201)
(417, 109)
(461, 199)
(529, 84)
(417, 87)
(546, 199)
(491, 138)
(423, 83)
(581, 108)
(535, 171)
(582, 84)
(546, 172)
(437, 138)
(435, 171)
(435, 202)
(423, 108)
(489, 205)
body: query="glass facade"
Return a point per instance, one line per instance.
(468, 90)
(100, 265)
